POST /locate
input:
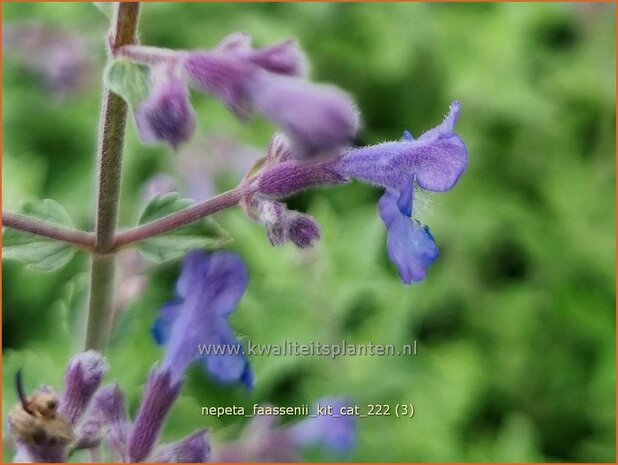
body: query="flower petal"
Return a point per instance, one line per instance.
(225, 76)
(162, 327)
(211, 286)
(229, 365)
(316, 118)
(410, 244)
(437, 159)
(283, 58)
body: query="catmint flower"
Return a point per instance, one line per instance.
(83, 378)
(434, 161)
(193, 449)
(209, 288)
(316, 118)
(159, 396)
(335, 432)
(166, 115)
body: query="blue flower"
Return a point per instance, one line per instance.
(410, 245)
(336, 432)
(435, 161)
(209, 288)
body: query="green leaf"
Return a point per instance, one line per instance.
(202, 234)
(129, 80)
(37, 252)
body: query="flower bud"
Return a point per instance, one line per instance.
(192, 449)
(303, 230)
(106, 417)
(318, 119)
(82, 379)
(158, 399)
(283, 58)
(166, 116)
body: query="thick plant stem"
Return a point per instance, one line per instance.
(109, 171)
(100, 314)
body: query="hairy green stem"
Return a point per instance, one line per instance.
(48, 230)
(181, 218)
(109, 171)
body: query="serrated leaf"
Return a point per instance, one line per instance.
(129, 80)
(37, 252)
(203, 234)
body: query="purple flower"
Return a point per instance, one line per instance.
(209, 289)
(159, 396)
(166, 116)
(317, 118)
(303, 230)
(336, 432)
(83, 378)
(435, 161)
(192, 449)
(106, 418)
(410, 244)
(62, 59)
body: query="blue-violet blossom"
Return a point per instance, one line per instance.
(434, 162)
(209, 288)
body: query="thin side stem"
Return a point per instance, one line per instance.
(48, 230)
(109, 171)
(181, 218)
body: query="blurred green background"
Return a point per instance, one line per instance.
(516, 320)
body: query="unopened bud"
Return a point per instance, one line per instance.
(82, 379)
(303, 231)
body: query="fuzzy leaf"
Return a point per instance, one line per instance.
(39, 253)
(203, 234)
(129, 80)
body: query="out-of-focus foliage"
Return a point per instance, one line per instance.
(515, 322)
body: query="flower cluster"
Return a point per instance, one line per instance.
(87, 416)
(318, 124)
(315, 120)
(433, 162)
(271, 81)
(48, 428)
